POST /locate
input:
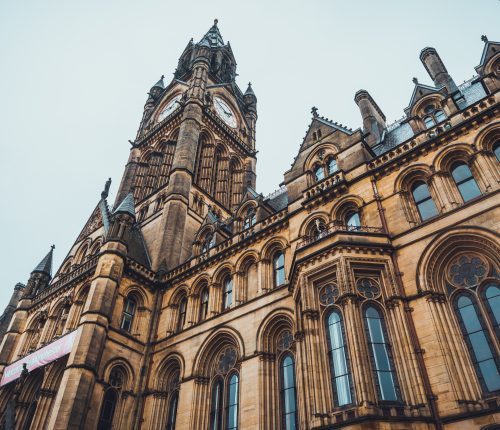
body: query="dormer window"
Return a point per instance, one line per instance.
(319, 173)
(250, 218)
(433, 116)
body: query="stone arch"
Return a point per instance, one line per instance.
(437, 255)
(279, 320)
(328, 148)
(222, 271)
(138, 293)
(172, 362)
(411, 174)
(447, 156)
(82, 251)
(486, 138)
(123, 365)
(418, 107)
(344, 205)
(309, 223)
(200, 282)
(96, 246)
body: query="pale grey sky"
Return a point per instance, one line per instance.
(74, 77)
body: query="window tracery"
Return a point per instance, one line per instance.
(467, 271)
(369, 288)
(328, 294)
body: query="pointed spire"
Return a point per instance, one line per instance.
(127, 205)
(45, 266)
(160, 83)
(212, 38)
(249, 90)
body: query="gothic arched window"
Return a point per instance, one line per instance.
(478, 341)
(496, 149)
(279, 268)
(181, 318)
(339, 360)
(172, 410)
(232, 402)
(332, 165)
(129, 309)
(433, 116)
(108, 410)
(381, 360)
(423, 200)
(352, 220)
(465, 182)
(429, 122)
(492, 299)
(204, 304)
(288, 393)
(227, 293)
(216, 405)
(208, 242)
(250, 218)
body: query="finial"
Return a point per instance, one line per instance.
(314, 111)
(415, 81)
(484, 38)
(105, 192)
(52, 247)
(216, 21)
(191, 40)
(249, 84)
(162, 77)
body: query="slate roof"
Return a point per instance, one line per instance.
(278, 201)
(45, 266)
(127, 205)
(212, 38)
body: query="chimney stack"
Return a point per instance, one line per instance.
(436, 70)
(373, 117)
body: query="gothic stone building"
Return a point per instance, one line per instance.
(363, 294)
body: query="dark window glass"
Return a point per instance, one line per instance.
(172, 410)
(492, 295)
(128, 314)
(496, 150)
(182, 314)
(339, 362)
(319, 173)
(440, 116)
(279, 269)
(332, 166)
(250, 218)
(232, 403)
(319, 229)
(227, 295)
(465, 181)
(208, 243)
(203, 304)
(288, 393)
(380, 355)
(478, 342)
(352, 220)
(216, 406)
(429, 122)
(423, 200)
(107, 410)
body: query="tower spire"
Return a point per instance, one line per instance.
(45, 266)
(212, 38)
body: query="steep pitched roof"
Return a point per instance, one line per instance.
(127, 205)
(420, 91)
(45, 266)
(490, 49)
(212, 38)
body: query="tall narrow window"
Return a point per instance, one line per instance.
(288, 393)
(352, 220)
(227, 295)
(492, 296)
(203, 304)
(172, 410)
(496, 150)
(128, 313)
(319, 173)
(423, 200)
(216, 406)
(182, 314)
(332, 166)
(382, 365)
(465, 181)
(250, 218)
(339, 363)
(108, 410)
(232, 403)
(478, 342)
(208, 242)
(279, 269)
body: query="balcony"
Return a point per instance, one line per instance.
(332, 185)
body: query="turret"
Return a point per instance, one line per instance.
(11, 307)
(41, 275)
(153, 96)
(123, 219)
(373, 117)
(436, 70)
(251, 113)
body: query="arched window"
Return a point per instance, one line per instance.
(172, 410)
(232, 403)
(332, 165)
(227, 294)
(465, 181)
(128, 313)
(339, 360)
(216, 405)
(181, 319)
(381, 360)
(352, 220)
(434, 116)
(423, 200)
(492, 296)
(208, 242)
(279, 269)
(288, 393)
(250, 218)
(429, 122)
(496, 149)
(319, 173)
(317, 229)
(440, 116)
(108, 410)
(478, 342)
(203, 304)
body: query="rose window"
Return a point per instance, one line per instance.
(227, 360)
(328, 294)
(369, 288)
(285, 340)
(467, 271)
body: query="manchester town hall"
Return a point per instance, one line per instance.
(363, 294)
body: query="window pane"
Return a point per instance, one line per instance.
(381, 358)
(375, 328)
(429, 122)
(496, 150)
(461, 172)
(172, 411)
(420, 191)
(469, 318)
(492, 294)
(480, 346)
(232, 402)
(216, 407)
(290, 422)
(489, 370)
(427, 209)
(332, 166)
(440, 116)
(287, 389)
(387, 386)
(469, 189)
(352, 219)
(319, 173)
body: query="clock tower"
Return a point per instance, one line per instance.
(194, 152)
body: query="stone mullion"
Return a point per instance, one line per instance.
(192, 309)
(172, 319)
(263, 271)
(240, 287)
(435, 184)
(358, 353)
(214, 299)
(407, 209)
(451, 192)
(403, 355)
(481, 168)
(459, 374)
(491, 166)
(303, 386)
(43, 409)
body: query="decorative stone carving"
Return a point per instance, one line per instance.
(227, 360)
(285, 340)
(467, 271)
(369, 288)
(328, 294)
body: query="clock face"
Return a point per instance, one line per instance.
(225, 112)
(169, 108)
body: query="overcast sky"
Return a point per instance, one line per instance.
(74, 77)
